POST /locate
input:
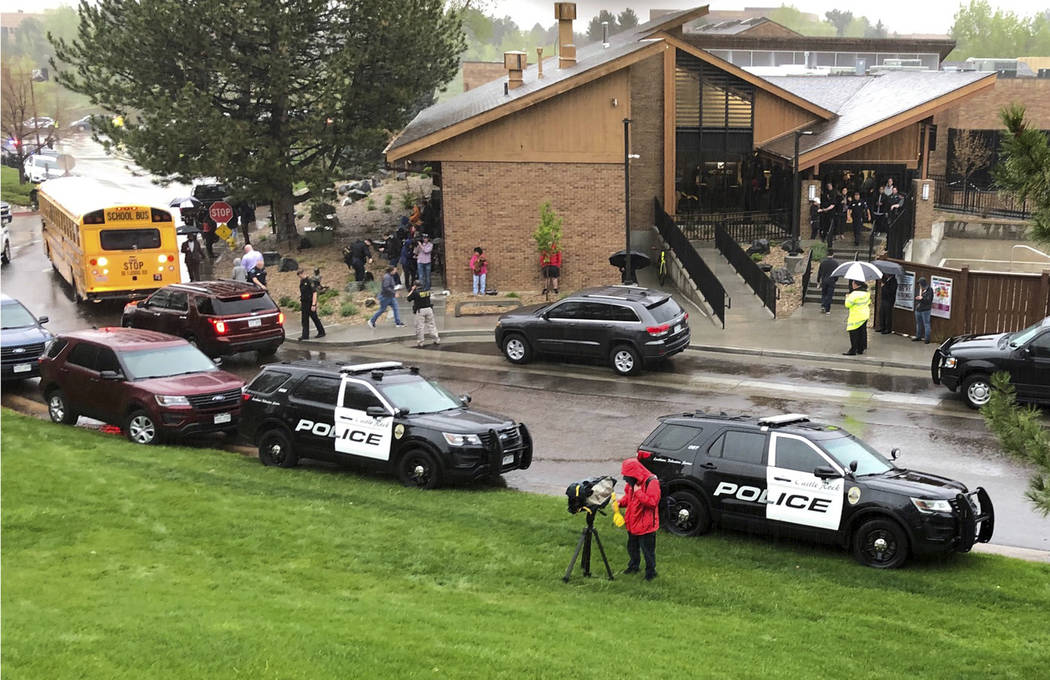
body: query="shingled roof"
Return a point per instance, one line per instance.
(861, 102)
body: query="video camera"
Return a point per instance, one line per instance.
(591, 494)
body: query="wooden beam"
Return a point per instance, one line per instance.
(670, 143)
(677, 22)
(892, 124)
(522, 102)
(760, 83)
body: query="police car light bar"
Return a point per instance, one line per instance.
(364, 368)
(784, 419)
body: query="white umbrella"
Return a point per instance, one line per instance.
(858, 271)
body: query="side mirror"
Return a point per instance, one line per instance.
(111, 375)
(43, 320)
(399, 412)
(853, 466)
(376, 412)
(894, 453)
(825, 472)
(217, 361)
(464, 399)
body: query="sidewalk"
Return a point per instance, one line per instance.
(750, 330)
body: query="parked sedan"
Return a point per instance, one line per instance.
(627, 326)
(967, 362)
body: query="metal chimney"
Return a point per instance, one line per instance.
(605, 34)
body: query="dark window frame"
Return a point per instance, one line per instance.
(300, 389)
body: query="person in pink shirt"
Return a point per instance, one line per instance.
(479, 267)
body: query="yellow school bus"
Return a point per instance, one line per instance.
(104, 241)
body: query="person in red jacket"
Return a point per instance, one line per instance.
(640, 501)
(550, 266)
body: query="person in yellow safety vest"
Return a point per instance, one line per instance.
(858, 302)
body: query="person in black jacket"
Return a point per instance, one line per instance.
(886, 302)
(859, 214)
(923, 306)
(827, 282)
(308, 305)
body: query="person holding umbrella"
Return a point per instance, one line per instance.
(858, 303)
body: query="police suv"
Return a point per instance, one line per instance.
(789, 476)
(381, 414)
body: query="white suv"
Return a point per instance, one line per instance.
(40, 167)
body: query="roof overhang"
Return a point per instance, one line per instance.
(677, 20)
(826, 152)
(740, 73)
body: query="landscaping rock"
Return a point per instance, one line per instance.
(782, 276)
(759, 245)
(766, 267)
(288, 265)
(402, 176)
(343, 188)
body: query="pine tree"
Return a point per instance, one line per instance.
(1024, 169)
(1021, 434)
(260, 94)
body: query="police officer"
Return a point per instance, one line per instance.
(424, 312)
(859, 213)
(308, 302)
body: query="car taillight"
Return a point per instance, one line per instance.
(686, 317)
(280, 318)
(220, 326)
(644, 455)
(658, 330)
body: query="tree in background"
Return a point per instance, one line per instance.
(17, 105)
(800, 22)
(981, 32)
(260, 94)
(627, 19)
(594, 28)
(876, 31)
(840, 20)
(1024, 168)
(1021, 435)
(970, 153)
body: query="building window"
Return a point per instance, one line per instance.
(846, 59)
(784, 58)
(825, 58)
(761, 58)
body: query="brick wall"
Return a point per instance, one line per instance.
(497, 206)
(647, 139)
(981, 112)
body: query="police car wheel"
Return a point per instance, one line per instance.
(58, 408)
(516, 348)
(686, 515)
(141, 429)
(276, 449)
(880, 543)
(419, 469)
(977, 390)
(625, 360)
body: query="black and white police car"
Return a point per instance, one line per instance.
(789, 476)
(382, 414)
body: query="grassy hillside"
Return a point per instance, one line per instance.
(129, 562)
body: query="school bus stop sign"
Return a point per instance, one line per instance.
(220, 212)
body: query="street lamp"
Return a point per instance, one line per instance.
(628, 272)
(796, 205)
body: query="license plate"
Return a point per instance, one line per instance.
(23, 368)
(508, 459)
(254, 323)
(223, 418)
(678, 328)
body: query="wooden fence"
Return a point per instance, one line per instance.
(981, 302)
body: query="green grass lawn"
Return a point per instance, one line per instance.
(10, 190)
(122, 561)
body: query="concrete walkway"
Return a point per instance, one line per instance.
(750, 329)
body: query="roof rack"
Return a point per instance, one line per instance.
(703, 414)
(783, 419)
(377, 366)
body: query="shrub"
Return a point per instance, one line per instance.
(348, 309)
(374, 287)
(371, 203)
(387, 209)
(407, 200)
(286, 301)
(757, 257)
(324, 310)
(820, 251)
(389, 199)
(548, 233)
(327, 295)
(512, 294)
(321, 213)
(1021, 435)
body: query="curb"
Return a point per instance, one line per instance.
(745, 351)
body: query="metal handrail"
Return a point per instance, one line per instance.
(1021, 245)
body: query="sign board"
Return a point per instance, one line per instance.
(905, 291)
(942, 297)
(220, 212)
(222, 231)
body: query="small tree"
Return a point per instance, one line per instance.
(970, 153)
(840, 20)
(1024, 168)
(548, 233)
(1021, 435)
(17, 105)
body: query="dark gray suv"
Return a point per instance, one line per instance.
(627, 326)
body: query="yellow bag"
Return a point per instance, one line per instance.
(618, 519)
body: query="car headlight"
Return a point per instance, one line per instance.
(172, 400)
(928, 505)
(950, 362)
(461, 439)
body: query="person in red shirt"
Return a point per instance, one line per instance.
(550, 266)
(640, 500)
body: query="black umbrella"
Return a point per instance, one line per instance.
(638, 260)
(187, 202)
(889, 268)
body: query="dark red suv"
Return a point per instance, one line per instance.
(219, 317)
(150, 384)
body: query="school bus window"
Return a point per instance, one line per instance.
(129, 239)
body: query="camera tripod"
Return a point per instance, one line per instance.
(585, 545)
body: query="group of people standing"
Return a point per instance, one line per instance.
(839, 210)
(858, 306)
